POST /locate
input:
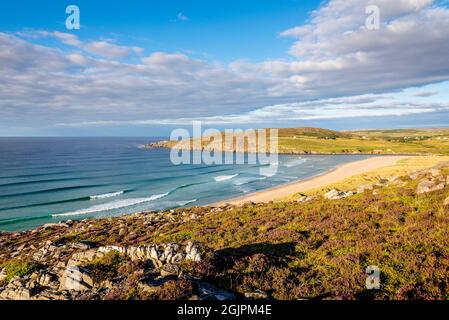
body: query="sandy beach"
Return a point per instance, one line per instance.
(339, 173)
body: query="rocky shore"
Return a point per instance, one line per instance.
(50, 263)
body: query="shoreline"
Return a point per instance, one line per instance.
(334, 175)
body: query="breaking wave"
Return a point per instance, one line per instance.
(112, 205)
(225, 178)
(295, 163)
(243, 181)
(107, 195)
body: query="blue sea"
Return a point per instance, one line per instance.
(45, 180)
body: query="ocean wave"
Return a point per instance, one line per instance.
(118, 204)
(225, 178)
(269, 172)
(9, 221)
(243, 181)
(70, 188)
(295, 163)
(107, 195)
(184, 203)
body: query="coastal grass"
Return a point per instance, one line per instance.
(18, 268)
(402, 167)
(106, 267)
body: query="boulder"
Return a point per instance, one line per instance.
(209, 292)
(46, 279)
(15, 290)
(427, 185)
(2, 275)
(256, 295)
(363, 188)
(50, 295)
(413, 175)
(305, 198)
(82, 257)
(74, 278)
(335, 194)
(435, 172)
(169, 270)
(15, 294)
(382, 182)
(192, 252)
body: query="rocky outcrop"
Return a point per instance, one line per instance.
(304, 198)
(365, 187)
(335, 194)
(429, 185)
(68, 280)
(160, 255)
(76, 278)
(16, 290)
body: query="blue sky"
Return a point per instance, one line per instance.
(145, 67)
(224, 30)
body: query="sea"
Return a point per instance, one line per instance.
(48, 180)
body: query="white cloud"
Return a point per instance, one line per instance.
(333, 56)
(182, 17)
(103, 48)
(370, 105)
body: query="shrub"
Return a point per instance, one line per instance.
(106, 267)
(175, 290)
(18, 268)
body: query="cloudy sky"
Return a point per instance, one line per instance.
(145, 67)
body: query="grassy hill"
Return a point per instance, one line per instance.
(323, 141)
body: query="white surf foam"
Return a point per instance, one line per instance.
(112, 205)
(224, 178)
(107, 195)
(183, 203)
(269, 172)
(295, 163)
(243, 181)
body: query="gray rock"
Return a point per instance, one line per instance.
(46, 278)
(426, 186)
(192, 252)
(15, 290)
(256, 295)
(363, 188)
(169, 270)
(2, 275)
(435, 172)
(74, 278)
(82, 257)
(208, 291)
(335, 194)
(305, 198)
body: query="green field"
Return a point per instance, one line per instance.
(429, 141)
(323, 141)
